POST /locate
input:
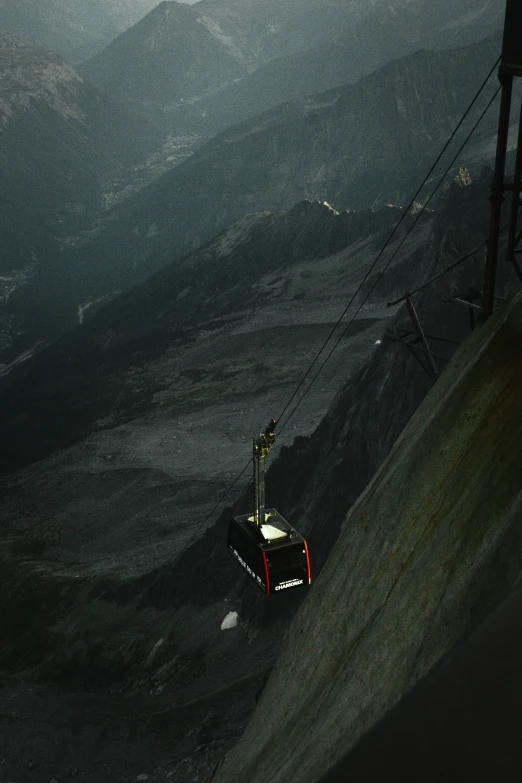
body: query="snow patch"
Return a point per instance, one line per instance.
(230, 621)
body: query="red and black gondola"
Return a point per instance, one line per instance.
(269, 549)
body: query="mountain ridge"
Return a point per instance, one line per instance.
(210, 281)
(70, 28)
(311, 48)
(58, 138)
(167, 56)
(329, 147)
(323, 147)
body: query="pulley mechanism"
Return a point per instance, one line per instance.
(262, 446)
(270, 550)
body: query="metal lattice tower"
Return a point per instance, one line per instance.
(510, 67)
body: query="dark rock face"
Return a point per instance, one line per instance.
(460, 722)
(73, 29)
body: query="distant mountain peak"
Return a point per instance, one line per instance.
(74, 29)
(28, 72)
(166, 6)
(171, 55)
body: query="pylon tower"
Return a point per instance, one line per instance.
(510, 67)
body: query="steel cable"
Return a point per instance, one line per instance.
(229, 488)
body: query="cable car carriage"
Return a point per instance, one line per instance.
(269, 549)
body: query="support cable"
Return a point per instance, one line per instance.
(444, 271)
(228, 489)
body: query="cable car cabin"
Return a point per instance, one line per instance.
(268, 548)
(273, 553)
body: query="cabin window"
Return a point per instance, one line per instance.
(285, 557)
(247, 550)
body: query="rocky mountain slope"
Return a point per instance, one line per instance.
(252, 278)
(94, 529)
(58, 139)
(361, 39)
(168, 56)
(73, 29)
(168, 389)
(386, 33)
(357, 146)
(269, 29)
(133, 646)
(329, 146)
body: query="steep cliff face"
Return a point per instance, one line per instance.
(73, 29)
(460, 722)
